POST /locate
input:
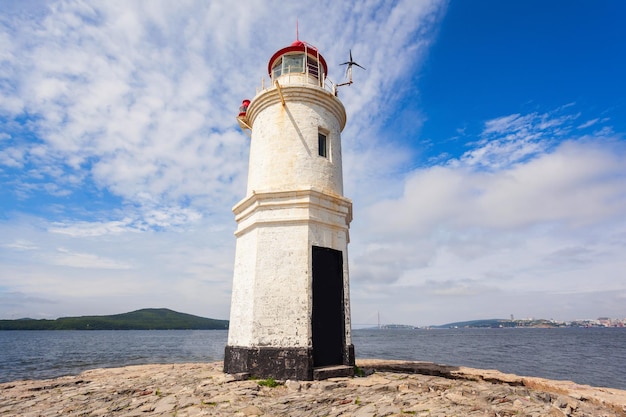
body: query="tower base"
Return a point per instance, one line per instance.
(278, 363)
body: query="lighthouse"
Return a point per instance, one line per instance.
(290, 309)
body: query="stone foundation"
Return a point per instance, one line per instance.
(270, 362)
(273, 362)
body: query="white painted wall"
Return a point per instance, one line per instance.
(284, 143)
(294, 200)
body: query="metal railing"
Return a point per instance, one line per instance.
(299, 78)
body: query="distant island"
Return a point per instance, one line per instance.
(145, 319)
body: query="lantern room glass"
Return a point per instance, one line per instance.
(294, 63)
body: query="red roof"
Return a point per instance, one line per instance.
(297, 46)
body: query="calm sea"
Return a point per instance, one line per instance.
(595, 356)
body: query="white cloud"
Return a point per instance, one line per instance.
(514, 138)
(86, 270)
(21, 244)
(86, 229)
(588, 123)
(551, 222)
(137, 101)
(141, 97)
(65, 257)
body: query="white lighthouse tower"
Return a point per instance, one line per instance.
(290, 310)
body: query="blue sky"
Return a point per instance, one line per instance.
(484, 154)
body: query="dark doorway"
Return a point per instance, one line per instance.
(328, 310)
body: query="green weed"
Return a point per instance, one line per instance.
(269, 382)
(358, 371)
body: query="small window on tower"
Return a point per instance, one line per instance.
(322, 145)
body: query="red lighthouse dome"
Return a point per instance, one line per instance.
(299, 57)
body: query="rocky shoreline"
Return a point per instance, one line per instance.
(389, 388)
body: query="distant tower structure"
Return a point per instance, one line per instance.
(290, 310)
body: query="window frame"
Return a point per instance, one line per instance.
(323, 148)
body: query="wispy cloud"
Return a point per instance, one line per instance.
(20, 244)
(65, 257)
(510, 139)
(117, 132)
(140, 100)
(120, 158)
(529, 206)
(588, 123)
(92, 228)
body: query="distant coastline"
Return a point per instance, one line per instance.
(144, 319)
(533, 323)
(504, 323)
(166, 319)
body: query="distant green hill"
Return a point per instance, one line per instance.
(145, 319)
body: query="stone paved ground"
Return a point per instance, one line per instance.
(394, 389)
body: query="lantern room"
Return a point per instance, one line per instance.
(298, 59)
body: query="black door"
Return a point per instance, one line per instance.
(328, 313)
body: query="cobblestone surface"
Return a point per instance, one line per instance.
(391, 388)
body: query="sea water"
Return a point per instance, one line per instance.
(595, 356)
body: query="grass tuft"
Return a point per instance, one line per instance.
(269, 382)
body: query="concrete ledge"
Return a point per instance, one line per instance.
(327, 372)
